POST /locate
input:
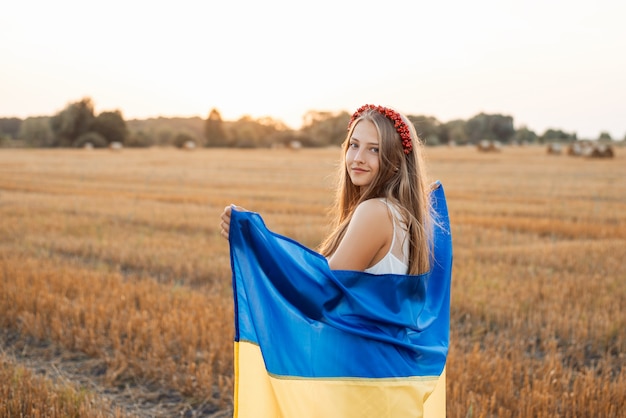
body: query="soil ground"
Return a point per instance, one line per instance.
(134, 399)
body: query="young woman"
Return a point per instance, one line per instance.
(357, 331)
(383, 216)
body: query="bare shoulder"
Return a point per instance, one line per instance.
(367, 237)
(372, 215)
(372, 209)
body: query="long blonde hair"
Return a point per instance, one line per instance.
(401, 180)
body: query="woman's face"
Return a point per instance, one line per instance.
(362, 162)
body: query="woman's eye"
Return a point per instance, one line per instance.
(353, 145)
(374, 150)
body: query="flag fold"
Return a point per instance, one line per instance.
(311, 341)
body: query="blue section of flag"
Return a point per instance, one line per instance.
(313, 322)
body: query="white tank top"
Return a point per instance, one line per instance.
(396, 259)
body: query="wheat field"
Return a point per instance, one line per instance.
(114, 276)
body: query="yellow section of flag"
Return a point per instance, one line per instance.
(260, 395)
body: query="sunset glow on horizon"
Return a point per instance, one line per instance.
(554, 64)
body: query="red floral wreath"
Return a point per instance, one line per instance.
(392, 115)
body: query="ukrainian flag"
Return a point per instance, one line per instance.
(316, 342)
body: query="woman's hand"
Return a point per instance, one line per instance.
(225, 224)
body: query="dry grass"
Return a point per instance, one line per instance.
(117, 255)
(23, 394)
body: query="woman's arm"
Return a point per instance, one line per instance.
(367, 238)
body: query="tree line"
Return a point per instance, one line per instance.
(78, 125)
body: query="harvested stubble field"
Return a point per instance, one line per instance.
(115, 293)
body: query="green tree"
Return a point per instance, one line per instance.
(477, 128)
(111, 126)
(494, 127)
(453, 132)
(604, 136)
(139, 139)
(244, 134)
(72, 122)
(248, 132)
(162, 131)
(10, 127)
(271, 131)
(96, 140)
(502, 127)
(286, 138)
(165, 135)
(428, 128)
(557, 135)
(214, 130)
(36, 132)
(321, 128)
(182, 138)
(525, 136)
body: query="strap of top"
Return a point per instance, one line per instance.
(397, 219)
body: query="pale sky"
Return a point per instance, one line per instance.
(548, 64)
